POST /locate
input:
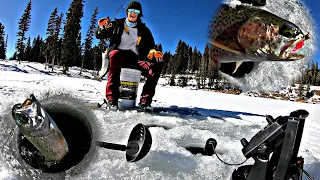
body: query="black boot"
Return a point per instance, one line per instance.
(145, 107)
(112, 105)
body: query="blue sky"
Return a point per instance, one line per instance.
(169, 20)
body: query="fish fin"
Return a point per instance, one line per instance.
(238, 63)
(221, 46)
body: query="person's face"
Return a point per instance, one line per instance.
(133, 15)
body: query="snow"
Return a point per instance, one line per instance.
(168, 159)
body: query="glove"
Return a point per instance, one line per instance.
(144, 64)
(155, 54)
(104, 23)
(151, 72)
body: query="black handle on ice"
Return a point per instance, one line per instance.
(138, 146)
(106, 145)
(208, 150)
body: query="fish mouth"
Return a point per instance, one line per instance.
(27, 114)
(288, 51)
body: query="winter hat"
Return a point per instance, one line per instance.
(135, 5)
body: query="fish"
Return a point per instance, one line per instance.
(242, 33)
(38, 127)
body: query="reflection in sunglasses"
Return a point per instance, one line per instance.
(134, 10)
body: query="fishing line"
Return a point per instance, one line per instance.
(230, 164)
(98, 92)
(307, 174)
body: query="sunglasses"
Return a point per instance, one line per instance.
(134, 10)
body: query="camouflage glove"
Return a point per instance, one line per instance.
(155, 54)
(104, 23)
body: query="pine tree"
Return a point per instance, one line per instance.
(314, 72)
(204, 66)
(36, 50)
(2, 42)
(59, 52)
(6, 46)
(189, 59)
(87, 61)
(194, 59)
(318, 79)
(95, 51)
(56, 44)
(213, 73)
(185, 58)
(24, 25)
(166, 61)
(71, 45)
(96, 56)
(206, 58)
(50, 39)
(177, 58)
(78, 51)
(158, 47)
(200, 55)
(170, 68)
(28, 50)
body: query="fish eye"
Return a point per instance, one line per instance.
(289, 30)
(22, 118)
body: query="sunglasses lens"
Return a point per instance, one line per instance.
(134, 10)
(137, 11)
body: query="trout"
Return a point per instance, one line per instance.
(246, 33)
(39, 128)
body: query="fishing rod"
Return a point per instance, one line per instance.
(122, 6)
(103, 20)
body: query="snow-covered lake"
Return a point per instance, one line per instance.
(243, 117)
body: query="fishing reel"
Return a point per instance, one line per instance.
(274, 149)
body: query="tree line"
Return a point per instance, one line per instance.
(310, 75)
(190, 61)
(3, 42)
(63, 45)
